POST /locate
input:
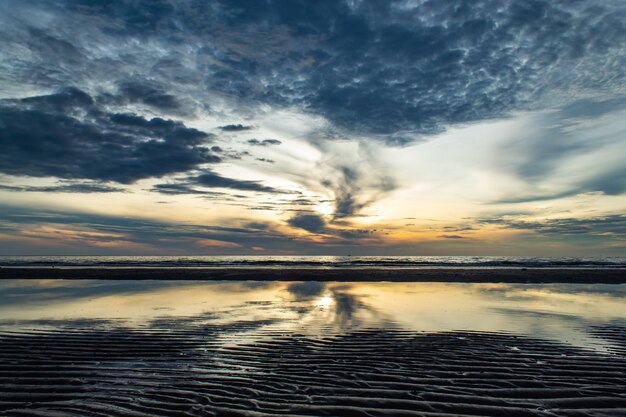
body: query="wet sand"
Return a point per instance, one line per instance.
(478, 275)
(328, 359)
(179, 370)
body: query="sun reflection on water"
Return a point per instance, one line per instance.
(559, 312)
(324, 302)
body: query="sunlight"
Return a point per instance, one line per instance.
(324, 302)
(325, 208)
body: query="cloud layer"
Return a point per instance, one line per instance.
(67, 135)
(388, 68)
(331, 120)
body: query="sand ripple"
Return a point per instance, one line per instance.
(205, 370)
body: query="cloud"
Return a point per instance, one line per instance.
(356, 233)
(309, 222)
(65, 135)
(210, 179)
(213, 180)
(235, 128)
(590, 109)
(264, 142)
(612, 225)
(85, 188)
(151, 95)
(385, 69)
(398, 70)
(182, 189)
(345, 202)
(567, 152)
(257, 226)
(123, 234)
(107, 94)
(67, 98)
(39, 230)
(357, 184)
(212, 243)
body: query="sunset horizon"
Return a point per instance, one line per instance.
(259, 208)
(312, 128)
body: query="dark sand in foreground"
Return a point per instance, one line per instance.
(189, 366)
(512, 275)
(194, 371)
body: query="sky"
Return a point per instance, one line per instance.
(296, 127)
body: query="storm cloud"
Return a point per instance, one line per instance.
(395, 69)
(65, 135)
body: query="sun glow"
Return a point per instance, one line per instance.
(325, 208)
(324, 302)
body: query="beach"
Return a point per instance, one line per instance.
(312, 208)
(512, 275)
(186, 372)
(301, 348)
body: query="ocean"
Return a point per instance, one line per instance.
(322, 262)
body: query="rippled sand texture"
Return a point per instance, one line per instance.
(199, 369)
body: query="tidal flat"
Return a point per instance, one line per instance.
(302, 348)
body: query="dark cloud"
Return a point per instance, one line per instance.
(345, 194)
(613, 225)
(86, 188)
(66, 99)
(299, 205)
(356, 233)
(256, 225)
(309, 222)
(451, 236)
(65, 135)
(393, 69)
(463, 228)
(235, 128)
(610, 182)
(590, 109)
(210, 179)
(269, 161)
(151, 95)
(181, 189)
(356, 185)
(264, 142)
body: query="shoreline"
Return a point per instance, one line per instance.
(467, 275)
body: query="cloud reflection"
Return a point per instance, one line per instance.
(561, 312)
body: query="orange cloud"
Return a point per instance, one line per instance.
(212, 243)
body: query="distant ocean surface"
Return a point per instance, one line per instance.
(321, 262)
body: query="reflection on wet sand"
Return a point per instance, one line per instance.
(561, 312)
(309, 348)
